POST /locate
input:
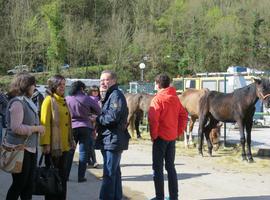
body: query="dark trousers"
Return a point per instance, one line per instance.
(111, 188)
(62, 164)
(82, 136)
(22, 182)
(164, 150)
(92, 154)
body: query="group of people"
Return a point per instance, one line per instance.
(98, 121)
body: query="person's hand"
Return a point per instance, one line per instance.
(41, 129)
(46, 149)
(73, 145)
(93, 118)
(94, 134)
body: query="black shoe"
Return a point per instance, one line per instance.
(80, 180)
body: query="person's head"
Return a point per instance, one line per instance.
(162, 81)
(76, 87)
(108, 78)
(23, 84)
(57, 84)
(94, 91)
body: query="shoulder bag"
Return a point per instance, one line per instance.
(47, 180)
(11, 157)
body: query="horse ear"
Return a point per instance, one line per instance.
(257, 79)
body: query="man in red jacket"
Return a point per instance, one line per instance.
(167, 120)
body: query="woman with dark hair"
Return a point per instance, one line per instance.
(81, 106)
(58, 139)
(95, 95)
(23, 128)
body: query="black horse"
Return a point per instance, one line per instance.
(238, 106)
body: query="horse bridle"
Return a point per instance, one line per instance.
(264, 96)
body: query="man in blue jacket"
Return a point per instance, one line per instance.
(113, 136)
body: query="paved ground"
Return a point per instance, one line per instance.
(83, 191)
(218, 177)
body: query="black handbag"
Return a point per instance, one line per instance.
(47, 180)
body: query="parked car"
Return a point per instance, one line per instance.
(18, 69)
(38, 68)
(65, 66)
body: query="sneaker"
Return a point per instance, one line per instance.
(95, 165)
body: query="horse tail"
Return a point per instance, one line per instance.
(131, 125)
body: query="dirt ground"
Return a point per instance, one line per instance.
(223, 176)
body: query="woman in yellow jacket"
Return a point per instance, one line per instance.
(57, 140)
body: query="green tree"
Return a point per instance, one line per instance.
(56, 50)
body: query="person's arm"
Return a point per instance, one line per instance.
(153, 118)
(16, 122)
(45, 120)
(94, 106)
(111, 116)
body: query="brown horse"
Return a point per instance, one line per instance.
(190, 100)
(138, 104)
(238, 106)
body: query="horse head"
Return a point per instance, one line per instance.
(263, 90)
(215, 136)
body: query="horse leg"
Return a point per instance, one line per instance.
(131, 125)
(185, 139)
(202, 122)
(185, 135)
(248, 132)
(191, 125)
(242, 139)
(137, 121)
(209, 144)
(208, 128)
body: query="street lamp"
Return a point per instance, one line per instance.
(142, 66)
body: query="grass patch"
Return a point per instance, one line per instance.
(227, 158)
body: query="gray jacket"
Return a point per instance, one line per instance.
(30, 118)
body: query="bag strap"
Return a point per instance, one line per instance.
(41, 159)
(19, 145)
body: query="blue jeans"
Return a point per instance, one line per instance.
(111, 188)
(81, 135)
(92, 154)
(164, 150)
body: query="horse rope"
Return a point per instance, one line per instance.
(264, 96)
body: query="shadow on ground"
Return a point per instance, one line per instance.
(244, 198)
(149, 177)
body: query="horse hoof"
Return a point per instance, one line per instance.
(250, 160)
(244, 159)
(210, 155)
(200, 153)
